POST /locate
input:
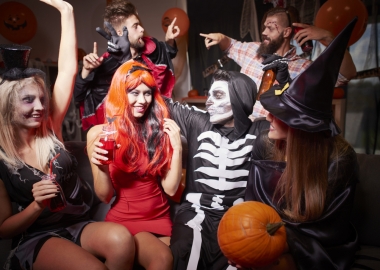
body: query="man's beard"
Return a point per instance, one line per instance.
(272, 46)
(137, 45)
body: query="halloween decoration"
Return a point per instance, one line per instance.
(192, 93)
(17, 22)
(334, 15)
(338, 93)
(252, 234)
(182, 20)
(214, 67)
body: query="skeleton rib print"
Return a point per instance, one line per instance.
(223, 167)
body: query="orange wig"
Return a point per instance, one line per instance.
(133, 133)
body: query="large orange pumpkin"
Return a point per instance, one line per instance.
(252, 234)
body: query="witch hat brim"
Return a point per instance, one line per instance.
(307, 103)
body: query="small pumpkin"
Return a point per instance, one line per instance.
(192, 93)
(338, 93)
(251, 234)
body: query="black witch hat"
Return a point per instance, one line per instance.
(307, 103)
(16, 58)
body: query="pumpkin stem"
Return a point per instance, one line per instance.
(273, 227)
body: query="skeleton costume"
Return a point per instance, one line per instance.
(217, 171)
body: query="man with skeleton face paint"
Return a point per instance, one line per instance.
(220, 142)
(218, 103)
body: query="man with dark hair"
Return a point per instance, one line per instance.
(220, 142)
(123, 30)
(277, 31)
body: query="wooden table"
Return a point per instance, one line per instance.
(197, 101)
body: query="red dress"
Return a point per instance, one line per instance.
(141, 204)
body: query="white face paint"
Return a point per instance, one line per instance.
(218, 103)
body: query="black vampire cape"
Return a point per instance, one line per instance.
(90, 92)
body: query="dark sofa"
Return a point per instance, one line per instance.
(365, 216)
(366, 212)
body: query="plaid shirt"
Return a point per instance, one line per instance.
(244, 54)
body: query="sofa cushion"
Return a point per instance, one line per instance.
(98, 209)
(368, 257)
(78, 149)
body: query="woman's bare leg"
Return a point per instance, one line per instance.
(165, 239)
(57, 253)
(111, 241)
(152, 253)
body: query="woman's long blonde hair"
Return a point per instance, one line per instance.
(45, 139)
(302, 188)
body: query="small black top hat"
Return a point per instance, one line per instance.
(16, 58)
(307, 103)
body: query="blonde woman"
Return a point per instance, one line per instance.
(30, 139)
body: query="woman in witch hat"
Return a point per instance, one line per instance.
(31, 147)
(303, 168)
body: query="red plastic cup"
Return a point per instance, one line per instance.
(58, 202)
(307, 46)
(110, 146)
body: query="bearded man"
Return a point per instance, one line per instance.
(220, 142)
(277, 31)
(122, 24)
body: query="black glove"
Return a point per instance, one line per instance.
(118, 46)
(280, 65)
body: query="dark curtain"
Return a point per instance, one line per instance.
(363, 95)
(213, 16)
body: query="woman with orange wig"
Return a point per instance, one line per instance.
(146, 164)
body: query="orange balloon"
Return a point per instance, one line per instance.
(182, 20)
(334, 15)
(18, 23)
